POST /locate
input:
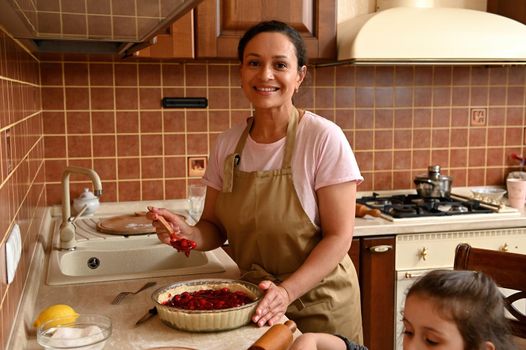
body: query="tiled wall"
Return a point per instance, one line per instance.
(399, 120)
(22, 190)
(108, 116)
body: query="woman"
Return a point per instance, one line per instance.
(282, 189)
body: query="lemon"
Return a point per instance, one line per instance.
(63, 313)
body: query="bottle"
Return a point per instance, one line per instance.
(278, 337)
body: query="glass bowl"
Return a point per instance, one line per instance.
(87, 331)
(206, 320)
(488, 194)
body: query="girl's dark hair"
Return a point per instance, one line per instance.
(275, 27)
(473, 301)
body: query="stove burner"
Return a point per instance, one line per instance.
(458, 208)
(411, 205)
(400, 209)
(378, 203)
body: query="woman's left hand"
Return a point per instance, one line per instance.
(273, 305)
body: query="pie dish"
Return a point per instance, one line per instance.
(206, 320)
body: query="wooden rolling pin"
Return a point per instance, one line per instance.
(278, 337)
(362, 210)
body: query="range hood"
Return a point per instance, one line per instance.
(117, 27)
(431, 35)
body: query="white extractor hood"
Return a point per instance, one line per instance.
(431, 35)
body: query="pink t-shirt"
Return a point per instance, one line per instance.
(322, 157)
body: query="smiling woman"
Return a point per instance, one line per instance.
(281, 187)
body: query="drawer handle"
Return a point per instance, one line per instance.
(409, 275)
(423, 253)
(380, 248)
(505, 248)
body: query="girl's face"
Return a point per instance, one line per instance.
(269, 72)
(425, 328)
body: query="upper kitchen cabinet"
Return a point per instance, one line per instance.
(221, 23)
(512, 9)
(118, 27)
(176, 42)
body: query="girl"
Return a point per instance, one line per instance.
(453, 310)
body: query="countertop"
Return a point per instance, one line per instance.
(97, 297)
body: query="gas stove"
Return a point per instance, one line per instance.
(403, 206)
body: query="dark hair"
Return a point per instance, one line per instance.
(275, 27)
(473, 301)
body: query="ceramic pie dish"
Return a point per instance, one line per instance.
(206, 320)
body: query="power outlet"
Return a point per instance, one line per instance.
(13, 251)
(478, 116)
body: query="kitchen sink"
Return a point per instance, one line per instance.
(100, 257)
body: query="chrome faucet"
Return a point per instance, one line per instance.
(67, 229)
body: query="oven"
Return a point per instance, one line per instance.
(416, 254)
(429, 229)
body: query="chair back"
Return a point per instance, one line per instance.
(508, 270)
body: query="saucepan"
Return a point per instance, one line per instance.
(433, 184)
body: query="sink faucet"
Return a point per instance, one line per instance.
(67, 230)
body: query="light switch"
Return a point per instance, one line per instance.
(13, 251)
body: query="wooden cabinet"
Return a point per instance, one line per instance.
(220, 24)
(374, 259)
(176, 42)
(215, 27)
(512, 9)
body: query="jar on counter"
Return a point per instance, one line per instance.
(86, 198)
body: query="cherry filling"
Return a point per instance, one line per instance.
(209, 299)
(183, 245)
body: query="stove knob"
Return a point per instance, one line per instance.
(423, 253)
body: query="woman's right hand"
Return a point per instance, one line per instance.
(180, 228)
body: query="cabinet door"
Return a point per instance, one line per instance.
(176, 42)
(354, 254)
(512, 9)
(220, 24)
(377, 284)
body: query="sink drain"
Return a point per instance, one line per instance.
(93, 263)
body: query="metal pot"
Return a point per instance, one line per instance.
(433, 185)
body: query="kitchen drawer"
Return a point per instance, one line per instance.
(437, 250)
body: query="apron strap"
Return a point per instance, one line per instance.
(233, 159)
(291, 138)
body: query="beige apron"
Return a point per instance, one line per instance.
(270, 236)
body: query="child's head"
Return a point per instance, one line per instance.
(455, 310)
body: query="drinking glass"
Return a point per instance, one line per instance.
(516, 192)
(196, 200)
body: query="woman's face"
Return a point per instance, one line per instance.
(425, 328)
(269, 72)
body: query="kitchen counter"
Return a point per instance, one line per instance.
(96, 298)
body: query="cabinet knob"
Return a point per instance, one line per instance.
(423, 253)
(380, 248)
(504, 248)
